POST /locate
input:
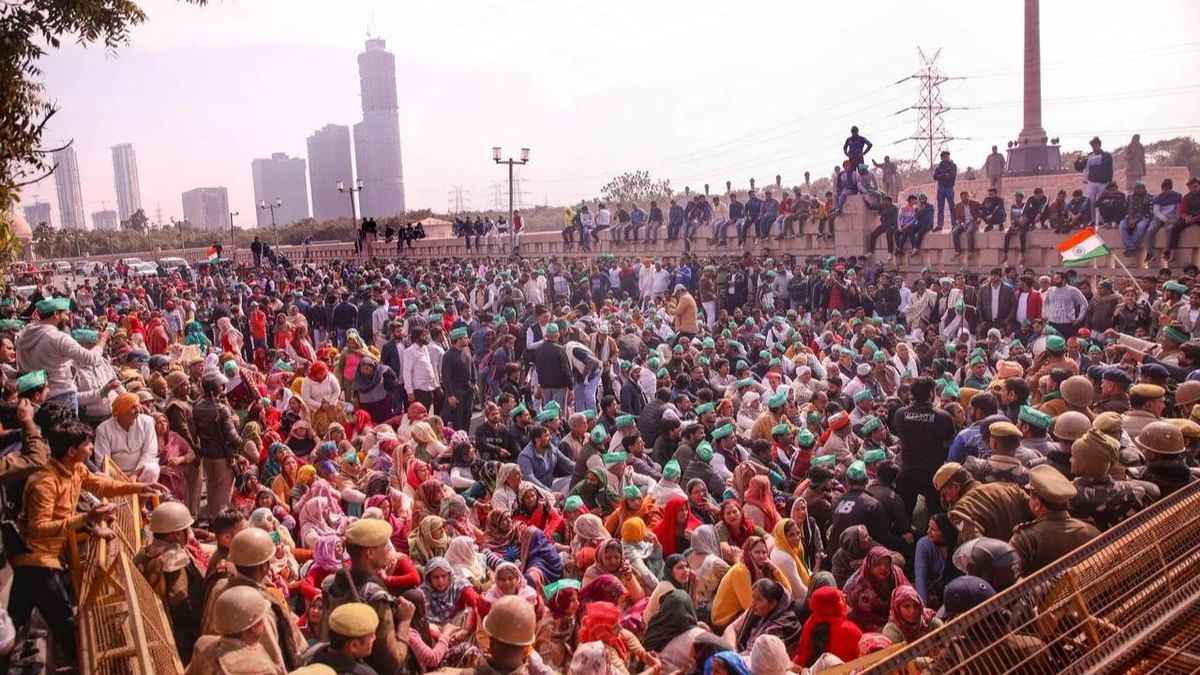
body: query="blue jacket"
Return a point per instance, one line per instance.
(676, 215)
(945, 173)
(542, 469)
(753, 207)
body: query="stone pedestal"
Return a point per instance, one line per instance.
(1034, 159)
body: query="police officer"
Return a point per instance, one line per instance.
(1114, 391)
(1002, 465)
(367, 546)
(1099, 499)
(174, 573)
(511, 627)
(1052, 533)
(352, 629)
(1068, 427)
(1187, 395)
(1146, 404)
(240, 619)
(1191, 439)
(1162, 445)
(976, 509)
(250, 553)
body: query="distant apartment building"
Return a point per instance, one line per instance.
(284, 178)
(207, 207)
(70, 194)
(105, 221)
(377, 136)
(125, 180)
(329, 161)
(38, 213)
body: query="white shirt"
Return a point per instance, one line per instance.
(995, 298)
(133, 450)
(1022, 306)
(419, 374)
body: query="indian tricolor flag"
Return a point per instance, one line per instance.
(212, 255)
(1084, 246)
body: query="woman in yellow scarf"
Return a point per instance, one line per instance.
(788, 555)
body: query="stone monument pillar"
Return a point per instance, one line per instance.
(1032, 154)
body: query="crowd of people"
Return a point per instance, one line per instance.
(720, 465)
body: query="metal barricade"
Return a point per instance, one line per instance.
(1126, 601)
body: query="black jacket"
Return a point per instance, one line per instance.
(925, 435)
(553, 367)
(858, 507)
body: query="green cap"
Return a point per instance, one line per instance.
(653, 362)
(561, 584)
(823, 460)
(86, 336)
(547, 415)
(709, 343)
(703, 360)
(599, 434)
(589, 414)
(551, 329)
(282, 365)
(671, 469)
(706, 408)
(857, 471)
(863, 395)
(459, 333)
(626, 420)
(805, 438)
(781, 429)
(722, 431)
(879, 357)
(951, 390)
(777, 401)
(1035, 418)
(614, 457)
(31, 380)
(662, 372)
(976, 360)
(574, 503)
(11, 324)
(744, 382)
(740, 365)
(1174, 334)
(704, 451)
(632, 492)
(874, 455)
(678, 349)
(512, 414)
(1175, 287)
(873, 422)
(1055, 343)
(49, 306)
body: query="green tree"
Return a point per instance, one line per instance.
(27, 29)
(635, 186)
(137, 222)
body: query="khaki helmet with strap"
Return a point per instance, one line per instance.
(170, 517)
(238, 608)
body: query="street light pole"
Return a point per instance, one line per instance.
(512, 226)
(278, 203)
(357, 187)
(232, 240)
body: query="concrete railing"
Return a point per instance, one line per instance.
(852, 230)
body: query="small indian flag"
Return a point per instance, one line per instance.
(1084, 246)
(212, 255)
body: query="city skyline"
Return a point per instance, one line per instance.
(283, 178)
(587, 112)
(125, 180)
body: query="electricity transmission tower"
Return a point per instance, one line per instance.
(931, 136)
(519, 191)
(458, 199)
(498, 201)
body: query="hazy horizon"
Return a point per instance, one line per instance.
(695, 92)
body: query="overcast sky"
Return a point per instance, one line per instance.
(693, 91)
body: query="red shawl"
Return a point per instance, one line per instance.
(665, 529)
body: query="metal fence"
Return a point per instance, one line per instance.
(1127, 601)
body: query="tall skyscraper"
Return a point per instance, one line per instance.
(207, 207)
(38, 213)
(377, 137)
(70, 194)
(329, 161)
(105, 221)
(284, 178)
(125, 178)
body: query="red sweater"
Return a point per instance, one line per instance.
(828, 606)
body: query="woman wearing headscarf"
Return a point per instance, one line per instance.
(788, 555)
(853, 544)
(812, 540)
(500, 537)
(429, 541)
(457, 514)
(604, 588)
(286, 481)
(301, 440)
(771, 613)
(734, 593)
(534, 510)
(827, 628)
(909, 620)
(510, 581)
(610, 560)
(869, 590)
(157, 338)
(300, 347)
(668, 486)
(174, 452)
(700, 503)
(506, 493)
(735, 529)
(245, 490)
(416, 472)
(322, 394)
(467, 562)
(284, 568)
(675, 529)
(633, 505)
(769, 656)
(759, 503)
(229, 338)
(429, 445)
(446, 594)
(317, 519)
(429, 646)
(704, 557)
(328, 556)
(557, 629)
(372, 389)
(725, 663)
(273, 465)
(645, 557)
(932, 561)
(539, 558)
(672, 629)
(401, 525)
(194, 336)
(427, 499)
(601, 623)
(305, 476)
(466, 468)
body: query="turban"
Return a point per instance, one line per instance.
(125, 404)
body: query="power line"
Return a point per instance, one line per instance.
(457, 199)
(931, 135)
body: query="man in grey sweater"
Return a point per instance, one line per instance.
(46, 345)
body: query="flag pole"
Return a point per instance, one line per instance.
(1131, 277)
